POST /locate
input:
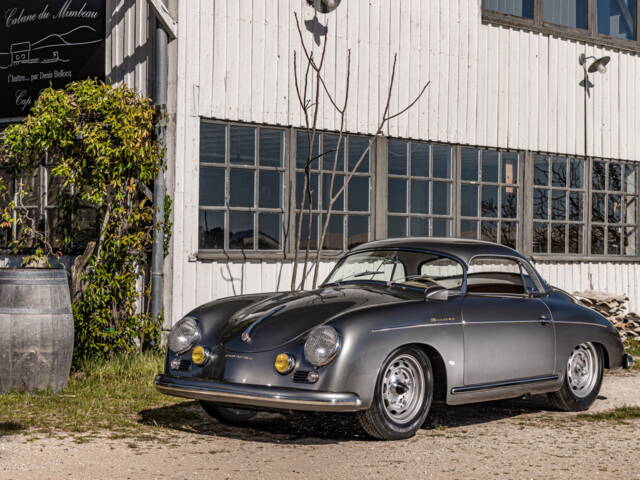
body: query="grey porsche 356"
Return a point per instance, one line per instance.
(397, 325)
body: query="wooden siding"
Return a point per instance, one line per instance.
(490, 86)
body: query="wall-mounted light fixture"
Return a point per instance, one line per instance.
(324, 6)
(599, 64)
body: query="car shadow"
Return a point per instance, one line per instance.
(324, 428)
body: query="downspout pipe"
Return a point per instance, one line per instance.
(159, 188)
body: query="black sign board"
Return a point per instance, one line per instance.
(47, 42)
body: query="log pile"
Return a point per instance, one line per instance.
(615, 309)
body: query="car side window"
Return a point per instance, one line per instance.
(499, 276)
(445, 271)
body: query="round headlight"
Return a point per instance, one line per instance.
(321, 345)
(184, 335)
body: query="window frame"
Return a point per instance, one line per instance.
(590, 35)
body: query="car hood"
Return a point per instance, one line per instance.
(282, 318)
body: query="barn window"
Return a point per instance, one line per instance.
(419, 189)
(570, 13)
(517, 8)
(617, 18)
(241, 187)
(489, 195)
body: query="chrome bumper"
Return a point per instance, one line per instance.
(258, 396)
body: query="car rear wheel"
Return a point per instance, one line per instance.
(582, 379)
(403, 395)
(229, 415)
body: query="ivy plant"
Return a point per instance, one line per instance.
(100, 143)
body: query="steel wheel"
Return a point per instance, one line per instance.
(402, 388)
(583, 369)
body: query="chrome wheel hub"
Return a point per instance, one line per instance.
(583, 369)
(403, 388)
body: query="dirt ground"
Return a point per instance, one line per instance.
(510, 439)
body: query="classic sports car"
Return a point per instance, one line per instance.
(397, 325)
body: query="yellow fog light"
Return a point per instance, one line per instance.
(199, 355)
(284, 363)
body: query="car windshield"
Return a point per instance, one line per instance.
(410, 268)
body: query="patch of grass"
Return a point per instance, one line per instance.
(617, 415)
(115, 395)
(632, 346)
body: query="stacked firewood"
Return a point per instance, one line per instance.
(615, 309)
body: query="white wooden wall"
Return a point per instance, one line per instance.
(490, 86)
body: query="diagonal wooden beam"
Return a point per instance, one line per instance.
(628, 18)
(165, 18)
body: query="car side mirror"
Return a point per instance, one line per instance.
(439, 294)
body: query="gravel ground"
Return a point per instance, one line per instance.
(509, 439)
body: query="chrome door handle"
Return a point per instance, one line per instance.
(545, 320)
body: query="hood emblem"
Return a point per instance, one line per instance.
(246, 335)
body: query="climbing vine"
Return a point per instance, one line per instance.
(100, 145)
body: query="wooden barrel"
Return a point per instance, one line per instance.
(36, 330)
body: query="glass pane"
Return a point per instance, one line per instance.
(598, 178)
(576, 177)
(303, 193)
(242, 150)
(241, 187)
(358, 228)
(575, 239)
(212, 142)
(270, 189)
(489, 166)
(332, 156)
(271, 147)
(441, 161)
(614, 209)
(519, 8)
(629, 178)
(508, 234)
(559, 172)
(397, 157)
(469, 200)
(333, 239)
(305, 237)
(597, 240)
(489, 231)
(270, 231)
(211, 186)
(469, 159)
(397, 195)
(441, 227)
(469, 229)
(359, 194)
(396, 226)
(338, 181)
(597, 207)
(241, 230)
(510, 167)
(630, 241)
(570, 13)
(617, 18)
(613, 241)
(509, 202)
(211, 230)
(540, 237)
(576, 206)
(558, 234)
(489, 205)
(441, 198)
(541, 171)
(302, 150)
(357, 146)
(630, 210)
(615, 177)
(419, 196)
(419, 159)
(541, 203)
(558, 205)
(419, 227)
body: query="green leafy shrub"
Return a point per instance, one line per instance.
(100, 141)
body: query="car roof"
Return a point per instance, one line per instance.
(463, 249)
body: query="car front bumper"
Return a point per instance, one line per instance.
(258, 396)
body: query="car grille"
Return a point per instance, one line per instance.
(185, 365)
(300, 376)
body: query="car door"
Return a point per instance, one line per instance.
(508, 331)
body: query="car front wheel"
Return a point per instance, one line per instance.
(403, 395)
(582, 379)
(229, 415)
